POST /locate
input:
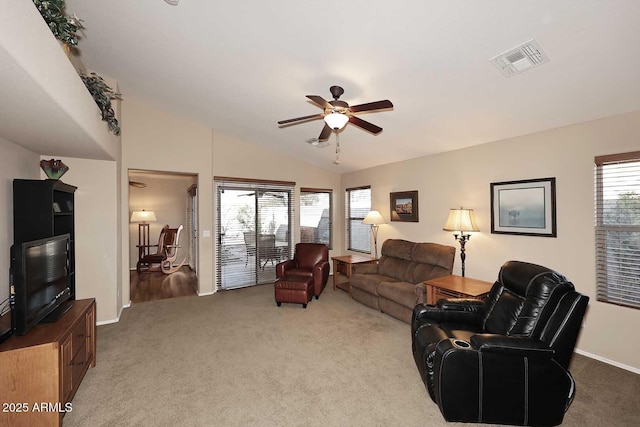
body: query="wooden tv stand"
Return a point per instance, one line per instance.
(41, 370)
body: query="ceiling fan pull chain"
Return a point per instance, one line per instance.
(337, 160)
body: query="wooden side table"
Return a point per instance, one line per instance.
(456, 287)
(343, 265)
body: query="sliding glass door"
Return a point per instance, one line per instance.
(253, 231)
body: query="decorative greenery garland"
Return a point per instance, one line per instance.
(63, 27)
(103, 94)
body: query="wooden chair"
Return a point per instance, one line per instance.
(166, 253)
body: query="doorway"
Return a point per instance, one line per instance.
(253, 231)
(172, 198)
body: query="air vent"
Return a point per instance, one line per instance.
(521, 58)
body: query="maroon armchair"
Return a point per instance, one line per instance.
(310, 260)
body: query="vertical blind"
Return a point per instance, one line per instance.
(617, 225)
(316, 222)
(358, 204)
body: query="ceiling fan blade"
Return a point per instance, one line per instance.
(319, 101)
(300, 119)
(325, 134)
(370, 106)
(357, 121)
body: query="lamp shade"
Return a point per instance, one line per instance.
(461, 220)
(143, 216)
(374, 218)
(336, 120)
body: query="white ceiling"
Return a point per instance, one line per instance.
(240, 66)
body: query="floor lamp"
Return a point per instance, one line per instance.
(459, 221)
(374, 219)
(143, 218)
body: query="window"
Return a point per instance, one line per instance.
(358, 204)
(316, 216)
(617, 211)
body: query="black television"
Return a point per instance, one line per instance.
(39, 283)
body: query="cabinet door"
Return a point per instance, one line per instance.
(66, 377)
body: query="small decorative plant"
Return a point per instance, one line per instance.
(62, 26)
(103, 94)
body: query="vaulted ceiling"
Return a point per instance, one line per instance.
(240, 66)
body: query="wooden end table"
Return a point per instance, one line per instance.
(344, 264)
(456, 287)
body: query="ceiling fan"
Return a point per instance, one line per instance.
(338, 113)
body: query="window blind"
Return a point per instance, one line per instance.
(316, 222)
(617, 226)
(358, 204)
(254, 223)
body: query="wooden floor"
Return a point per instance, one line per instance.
(157, 285)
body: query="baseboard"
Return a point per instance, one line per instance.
(203, 294)
(608, 361)
(117, 319)
(107, 322)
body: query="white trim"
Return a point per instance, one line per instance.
(608, 361)
(204, 294)
(107, 322)
(117, 319)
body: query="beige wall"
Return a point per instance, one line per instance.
(17, 163)
(233, 158)
(156, 140)
(167, 196)
(96, 232)
(462, 178)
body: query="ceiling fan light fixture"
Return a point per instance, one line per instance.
(336, 120)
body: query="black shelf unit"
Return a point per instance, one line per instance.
(44, 208)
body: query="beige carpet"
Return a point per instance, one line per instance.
(236, 359)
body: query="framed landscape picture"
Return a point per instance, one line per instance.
(525, 207)
(404, 206)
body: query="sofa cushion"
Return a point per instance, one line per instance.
(397, 248)
(393, 267)
(433, 253)
(402, 293)
(368, 282)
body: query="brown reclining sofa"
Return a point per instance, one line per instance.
(394, 286)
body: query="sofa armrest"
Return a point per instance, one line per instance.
(460, 304)
(282, 267)
(424, 314)
(364, 269)
(493, 343)
(421, 292)
(322, 269)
